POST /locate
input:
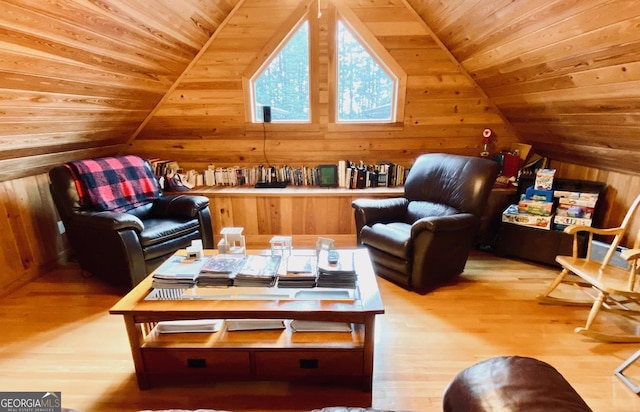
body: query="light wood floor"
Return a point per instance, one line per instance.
(57, 335)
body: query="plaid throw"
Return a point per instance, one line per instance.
(114, 183)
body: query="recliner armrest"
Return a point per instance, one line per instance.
(370, 211)
(450, 223)
(179, 205)
(108, 221)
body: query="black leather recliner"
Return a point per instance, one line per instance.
(123, 248)
(423, 239)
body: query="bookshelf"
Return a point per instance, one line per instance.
(348, 175)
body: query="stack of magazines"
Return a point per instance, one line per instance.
(258, 270)
(220, 270)
(337, 275)
(176, 272)
(299, 272)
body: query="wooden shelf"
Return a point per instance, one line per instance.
(296, 191)
(272, 339)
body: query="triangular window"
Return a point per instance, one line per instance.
(365, 92)
(283, 85)
(364, 83)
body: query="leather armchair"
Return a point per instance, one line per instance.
(123, 248)
(423, 239)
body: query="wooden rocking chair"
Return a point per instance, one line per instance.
(616, 289)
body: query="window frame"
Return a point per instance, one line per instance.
(310, 12)
(389, 73)
(252, 80)
(343, 14)
(273, 47)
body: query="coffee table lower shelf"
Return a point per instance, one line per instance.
(265, 355)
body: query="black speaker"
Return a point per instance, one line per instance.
(266, 114)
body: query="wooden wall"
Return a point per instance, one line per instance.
(77, 78)
(202, 121)
(163, 78)
(565, 73)
(30, 243)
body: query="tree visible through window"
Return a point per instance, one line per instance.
(284, 83)
(365, 91)
(364, 85)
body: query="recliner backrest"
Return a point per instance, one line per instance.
(452, 180)
(65, 195)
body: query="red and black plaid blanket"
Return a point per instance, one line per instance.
(114, 183)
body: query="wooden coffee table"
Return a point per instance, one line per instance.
(327, 357)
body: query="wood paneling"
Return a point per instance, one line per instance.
(30, 243)
(302, 213)
(566, 74)
(202, 120)
(77, 77)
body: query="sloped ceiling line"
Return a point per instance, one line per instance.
(175, 84)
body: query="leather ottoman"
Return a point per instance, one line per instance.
(510, 384)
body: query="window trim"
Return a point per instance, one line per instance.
(309, 11)
(342, 13)
(252, 81)
(273, 47)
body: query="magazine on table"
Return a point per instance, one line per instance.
(223, 263)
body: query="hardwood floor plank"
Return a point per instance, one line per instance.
(58, 335)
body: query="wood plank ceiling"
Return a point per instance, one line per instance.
(203, 120)
(78, 77)
(566, 74)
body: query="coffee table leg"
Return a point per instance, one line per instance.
(369, 339)
(134, 332)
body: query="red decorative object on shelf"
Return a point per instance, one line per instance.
(486, 140)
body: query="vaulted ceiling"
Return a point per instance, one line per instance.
(566, 74)
(82, 78)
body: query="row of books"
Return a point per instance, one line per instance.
(349, 174)
(164, 167)
(362, 175)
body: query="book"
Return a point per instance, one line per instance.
(220, 270)
(298, 325)
(301, 264)
(345, 264)
(260, 266)
(254, 324)
(341, 274)
(189, 326)
(296, 280)
(223, 264)
(258, 270)
(177, 271)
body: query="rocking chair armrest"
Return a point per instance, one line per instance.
(630, 254)
(574, 229)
